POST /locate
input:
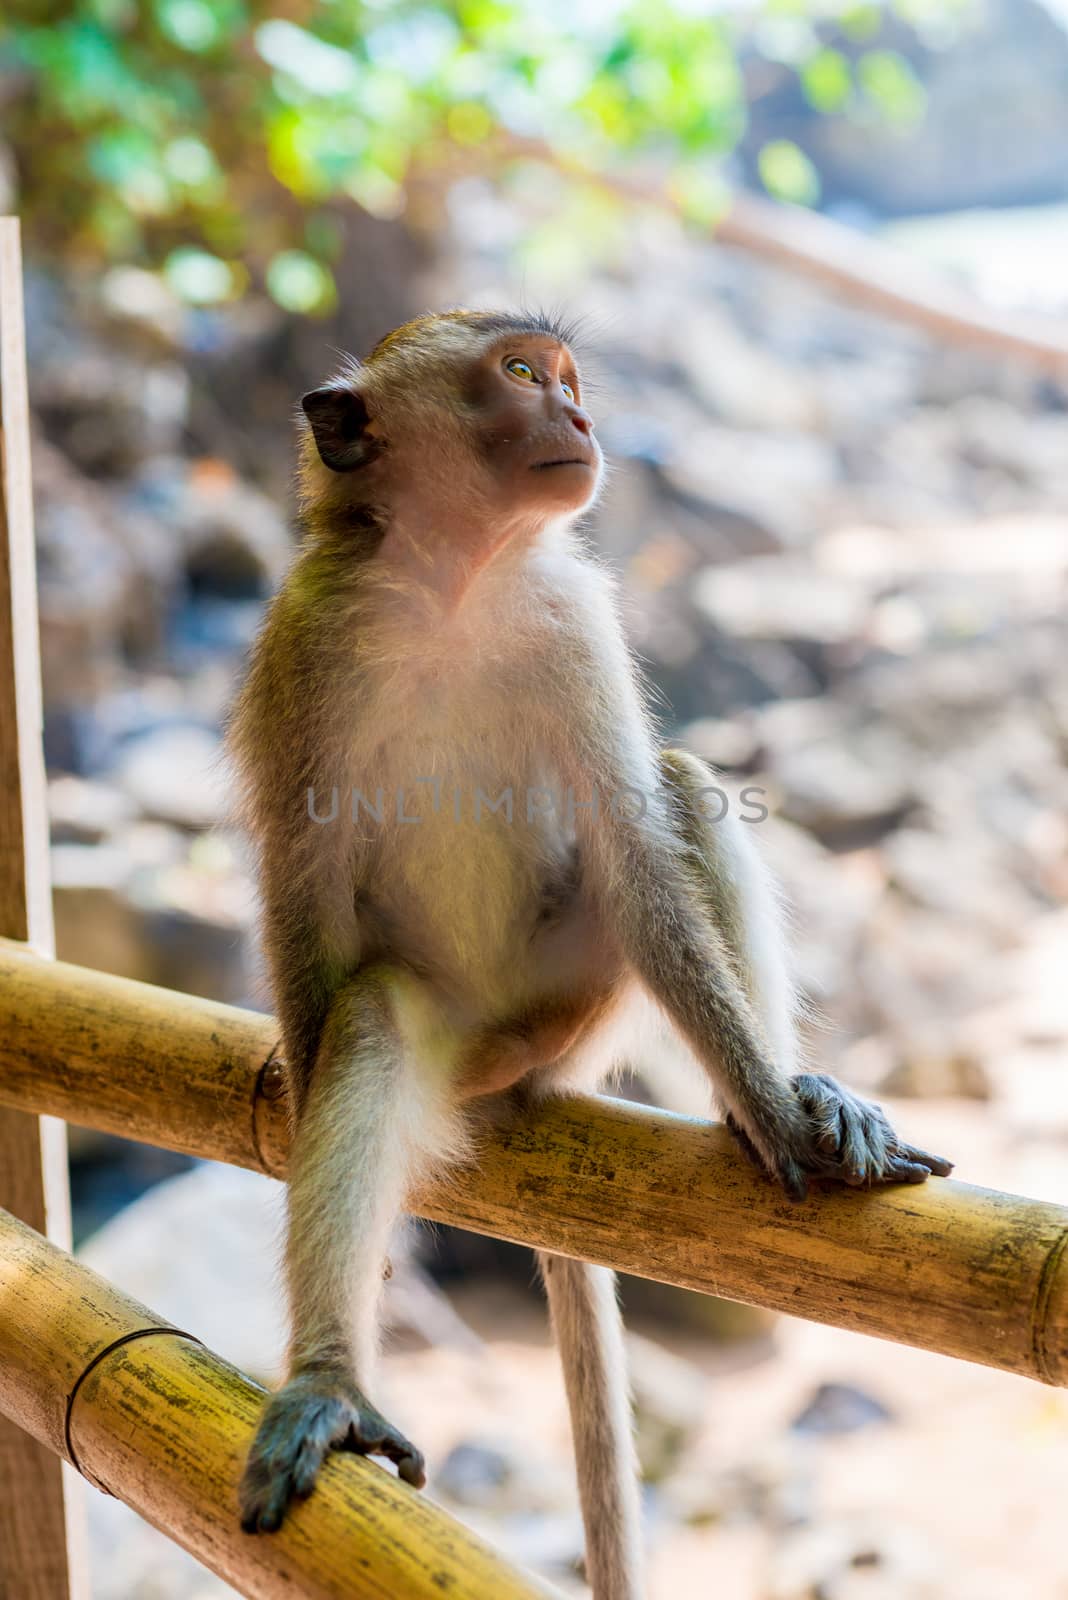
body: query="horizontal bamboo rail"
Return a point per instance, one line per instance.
(967, 1272)
(150, 1415)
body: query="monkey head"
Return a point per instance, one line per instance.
(468, 410)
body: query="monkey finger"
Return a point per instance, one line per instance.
(792, 1178)
(822, 1107)
(936, 1164)
(744, 1143)
(900, 1170)
(405, 1457)
(863, 1145)
(377, 1438)
(412, 1469)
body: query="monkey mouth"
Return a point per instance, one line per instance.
(564, 461)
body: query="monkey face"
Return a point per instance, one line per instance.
(529, 426)
(474, 412)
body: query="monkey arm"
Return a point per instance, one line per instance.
(695, 915)
(640, 864)
(854, 1139)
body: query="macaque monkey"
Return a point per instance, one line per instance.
(478, 872)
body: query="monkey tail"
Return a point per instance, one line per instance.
(589, 1335)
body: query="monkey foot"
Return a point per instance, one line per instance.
(844, 1138)
(314, 1412)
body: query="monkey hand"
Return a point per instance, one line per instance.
(840, 1136)
(316, 1411)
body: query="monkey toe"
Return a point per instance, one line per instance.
(793, 1178)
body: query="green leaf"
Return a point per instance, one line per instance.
(297, 282)
(826, 80)
(703, 196)
(197, 277)
(192, 24)
(888, 79)
(860, 22)
(787, 173)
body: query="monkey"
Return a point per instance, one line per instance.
(516, 878)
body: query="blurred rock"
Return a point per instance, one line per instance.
(851, 1561)
(106, 576)
(232, 539)
(109, 411)
(148, 904)
(839, 1408)
(475, 1474)
(781, 598)
(175, 774)
(668, 1400)
(783, 482)
(837, 795)
(930, 1073)
(738, 381)
(83, 812)
(728, 745)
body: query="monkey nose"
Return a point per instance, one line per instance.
(582, 421)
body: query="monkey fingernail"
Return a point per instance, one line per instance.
(411, 1469)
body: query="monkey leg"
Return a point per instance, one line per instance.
(852, 1139)
(589, 1335)
(363, 1127)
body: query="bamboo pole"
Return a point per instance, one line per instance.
(151, 1416)
(43, 1535)
(963, 1271)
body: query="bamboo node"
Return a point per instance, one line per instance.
(269, 1115)
(1051, 1357)
(273, 1082)
(101, 1355)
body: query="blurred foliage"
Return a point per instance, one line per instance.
(211, 139)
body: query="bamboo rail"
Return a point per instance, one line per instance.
(963, 1271)
(150, 1415)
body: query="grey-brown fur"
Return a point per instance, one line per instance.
(443, 622)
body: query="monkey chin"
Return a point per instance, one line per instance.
(564, 486)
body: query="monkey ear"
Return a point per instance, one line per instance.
(339, 420)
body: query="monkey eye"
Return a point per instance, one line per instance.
(566, 387)
(520, 369)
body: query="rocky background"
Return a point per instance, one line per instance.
(844, 560)
(844, 551)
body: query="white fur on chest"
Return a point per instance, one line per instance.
(460, 800)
